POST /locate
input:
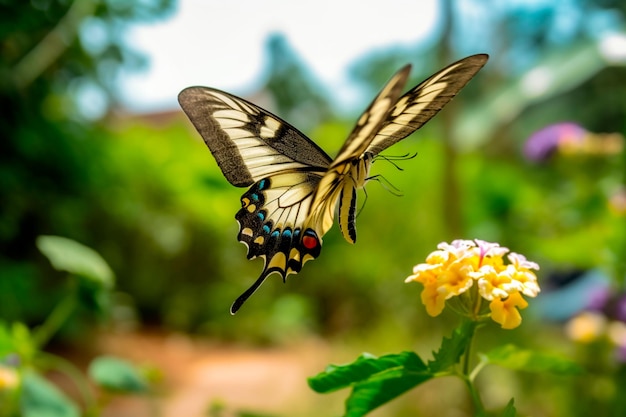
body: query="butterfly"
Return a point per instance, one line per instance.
(295, 188)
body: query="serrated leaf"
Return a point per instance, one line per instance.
(509, 410)
(365, 368)
(368, 396)
(375, 380)
(42, 399)
(512, 357)
(68, 255)
(451, 349)
(116, 374)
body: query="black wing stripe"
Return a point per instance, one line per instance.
(371, 120)
(248, 142)
(421, 103)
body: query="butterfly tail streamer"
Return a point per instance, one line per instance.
(247, 293)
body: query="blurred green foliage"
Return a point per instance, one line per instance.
(24, 390)
(145, 193)
(148, 196)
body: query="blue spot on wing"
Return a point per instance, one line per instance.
(266, 228)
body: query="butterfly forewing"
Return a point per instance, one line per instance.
(421, 103)
(248, 143)
(370, 121)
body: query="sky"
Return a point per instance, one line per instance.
(221, 43)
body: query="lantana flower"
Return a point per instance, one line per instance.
(9, 378)
(603, 319)
(474, 278)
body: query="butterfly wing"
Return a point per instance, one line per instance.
(247, 142)
(386, 121)
(422, 102)
(339, 182)
(273, 226)
(372, 118)
(283, 167)
(294, 185)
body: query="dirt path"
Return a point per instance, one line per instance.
(197, 375)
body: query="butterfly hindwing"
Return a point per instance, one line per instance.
(273, 212)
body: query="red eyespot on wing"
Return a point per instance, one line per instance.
(310, 242)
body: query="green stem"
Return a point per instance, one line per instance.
(55, 320)
(476, 370)
(468, 352)
(49, 361)
(479, 408)
(469, 379)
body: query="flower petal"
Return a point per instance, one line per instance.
(505, 312)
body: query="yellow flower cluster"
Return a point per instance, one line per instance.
(9, 378)
(474, 272)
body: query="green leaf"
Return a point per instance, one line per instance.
(367, 396)
(116, 374)
(509, 410)
(366, 367)
(42, 399)
(375, 380)
(512, 357)
(16, 339)
(68, 255)
(452, 348)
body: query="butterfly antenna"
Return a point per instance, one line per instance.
(392, 158)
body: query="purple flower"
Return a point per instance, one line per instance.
(620, 309)
(598, 298)
(543, 143)
(620, 354)
(609, 303)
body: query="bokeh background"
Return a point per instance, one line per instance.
(530, 154)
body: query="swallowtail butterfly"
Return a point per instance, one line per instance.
(294, 186)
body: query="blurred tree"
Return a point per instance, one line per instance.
(58, 60)
(298, 96)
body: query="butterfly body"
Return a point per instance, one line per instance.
(295, 188)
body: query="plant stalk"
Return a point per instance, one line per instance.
(479, 408)
(55, 320)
